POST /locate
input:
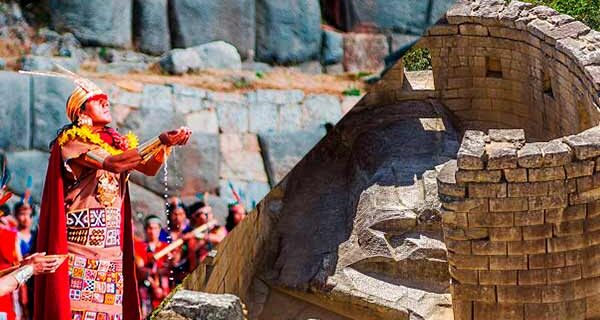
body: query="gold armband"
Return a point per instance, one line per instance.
(149, 148)
(23, 274)
(96, 157)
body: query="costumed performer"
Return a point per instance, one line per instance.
(85, 210)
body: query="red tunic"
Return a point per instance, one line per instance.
(8, 258)
(52, 300)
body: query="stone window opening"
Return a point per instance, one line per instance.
(547, 85)
(493, 67)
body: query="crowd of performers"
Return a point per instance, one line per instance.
(168, 253)
(156, 276)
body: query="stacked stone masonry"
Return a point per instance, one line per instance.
(522, 226)
(515, 65)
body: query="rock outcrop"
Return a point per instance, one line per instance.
(94, 22)
(195, 22)
(288, 32)
(193, 305)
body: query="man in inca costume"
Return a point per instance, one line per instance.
(86, 211)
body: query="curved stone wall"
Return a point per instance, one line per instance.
(499, 65)
(521, 219)
(522, 226)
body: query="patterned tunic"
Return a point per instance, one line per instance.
(93, 202)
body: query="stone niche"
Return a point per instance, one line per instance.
(521, 225)
(515, 65)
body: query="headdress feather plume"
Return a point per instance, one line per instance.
(5, 195)
(84, 89)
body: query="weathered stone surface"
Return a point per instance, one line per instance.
(256, 66)
(501, 155)
(263, 117)
(186, 304)
(151, 26)
(213, 55)
(196, 22)
(578, 49)
(320, 109)
(190, 169)
(309, 67)
(459, 12)
(333, 47)
(276, 96)
(180, 61)
(15, 113)
(41, 63)
(586, 144)
(188, 99)
(49, 98)
(288, 32)
(218, 55)
(290, 117)
(507, 135)
(382, 13)
(122, 67)
(472, 149)
(335, 69)
(282, 150)
(446, 181)
(204, 121)
(157, 97)
(243, 165)
(94, 22)
(233, 117)
(364, 52)
(23, 164)
(544, 154)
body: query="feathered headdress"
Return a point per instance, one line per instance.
(27, 194)
(236, 196)
(5, 195)
(84, 89)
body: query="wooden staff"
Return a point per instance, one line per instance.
(8, 270)
(177, 243)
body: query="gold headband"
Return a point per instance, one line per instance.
(84, 89)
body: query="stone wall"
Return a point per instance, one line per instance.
(270, 31)
(251, 139)
(499, 65)
(521, 226)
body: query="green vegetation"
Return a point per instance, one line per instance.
(587, 11)
(352, 91)
(417, 59)
(260, 75)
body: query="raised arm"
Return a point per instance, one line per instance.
(147, 158)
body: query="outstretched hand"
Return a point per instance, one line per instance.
(176, 137)
(42, 263)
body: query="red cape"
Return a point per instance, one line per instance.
(51, 297)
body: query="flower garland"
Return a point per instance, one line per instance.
(86, 134)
